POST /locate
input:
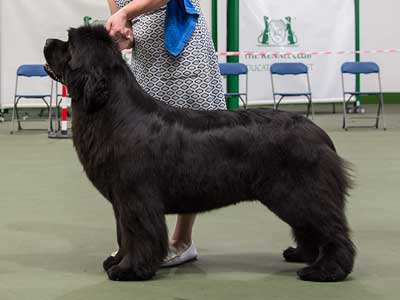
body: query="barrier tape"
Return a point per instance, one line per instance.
(328, 52)
(283, 53)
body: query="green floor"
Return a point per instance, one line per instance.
(55, 230)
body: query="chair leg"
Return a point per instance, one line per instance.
(13, 118)
(378, 114)
(382, 111)
(58, 106)
(48, 105)
(17, 115)
(50, 129)
(244, 103)
(311, 106)
(344, 114)
(279, 102)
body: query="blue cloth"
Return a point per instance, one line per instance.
(180, 23)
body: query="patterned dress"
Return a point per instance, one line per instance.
(192, 80)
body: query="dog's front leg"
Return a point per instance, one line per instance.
(113, 260)
(144, 239)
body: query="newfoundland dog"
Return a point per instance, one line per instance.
(150, 159)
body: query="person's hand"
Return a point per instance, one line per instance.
(120, 29)
(116, 24)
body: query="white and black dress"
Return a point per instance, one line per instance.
(191, 80)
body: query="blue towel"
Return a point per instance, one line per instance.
(180, 23)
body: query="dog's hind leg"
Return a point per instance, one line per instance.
(322, 238)
(336, 251)
(313, 206)
(144, 240)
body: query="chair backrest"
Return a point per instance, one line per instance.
(360, 68)
(233, 69)
(31, 71)
(288, 69)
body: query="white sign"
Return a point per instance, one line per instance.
(287, 25)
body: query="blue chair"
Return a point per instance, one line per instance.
(366, 68)
(28, 71)
(284, 69)
(238, 69)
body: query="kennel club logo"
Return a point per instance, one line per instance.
(278, 33)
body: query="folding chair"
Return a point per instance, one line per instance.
(367, 68)
(228, 69)
(28, 71)
(295, 69)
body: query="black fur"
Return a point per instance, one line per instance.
(150, 159)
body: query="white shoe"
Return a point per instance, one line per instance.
(178, 257)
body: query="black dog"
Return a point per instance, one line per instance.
(150, 159)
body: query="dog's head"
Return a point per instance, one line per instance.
(83, 63)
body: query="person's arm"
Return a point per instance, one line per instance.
(116, 24)
(139, 7)
(113, 7)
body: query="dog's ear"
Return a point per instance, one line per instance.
(75, 62)
(73, 39)
(95, 93)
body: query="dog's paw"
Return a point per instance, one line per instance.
(116, 273)
(320, 273)
(109, 262)
(293, 255)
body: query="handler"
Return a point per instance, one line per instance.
(174, 61)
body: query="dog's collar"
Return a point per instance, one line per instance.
(51, 73)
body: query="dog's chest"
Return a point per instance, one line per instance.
(95, 148)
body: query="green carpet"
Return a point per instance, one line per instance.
(55, 230)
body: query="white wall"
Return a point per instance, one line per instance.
(25, 25)
(207, 11)
(380, 29)
(222, 19)
(1, 26)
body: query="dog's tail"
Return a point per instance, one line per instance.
(313, 147)
(339, 170)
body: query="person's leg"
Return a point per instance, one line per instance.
(181, 248)
(182, 235)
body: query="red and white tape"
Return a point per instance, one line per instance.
(326, 52)
(286, 53)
